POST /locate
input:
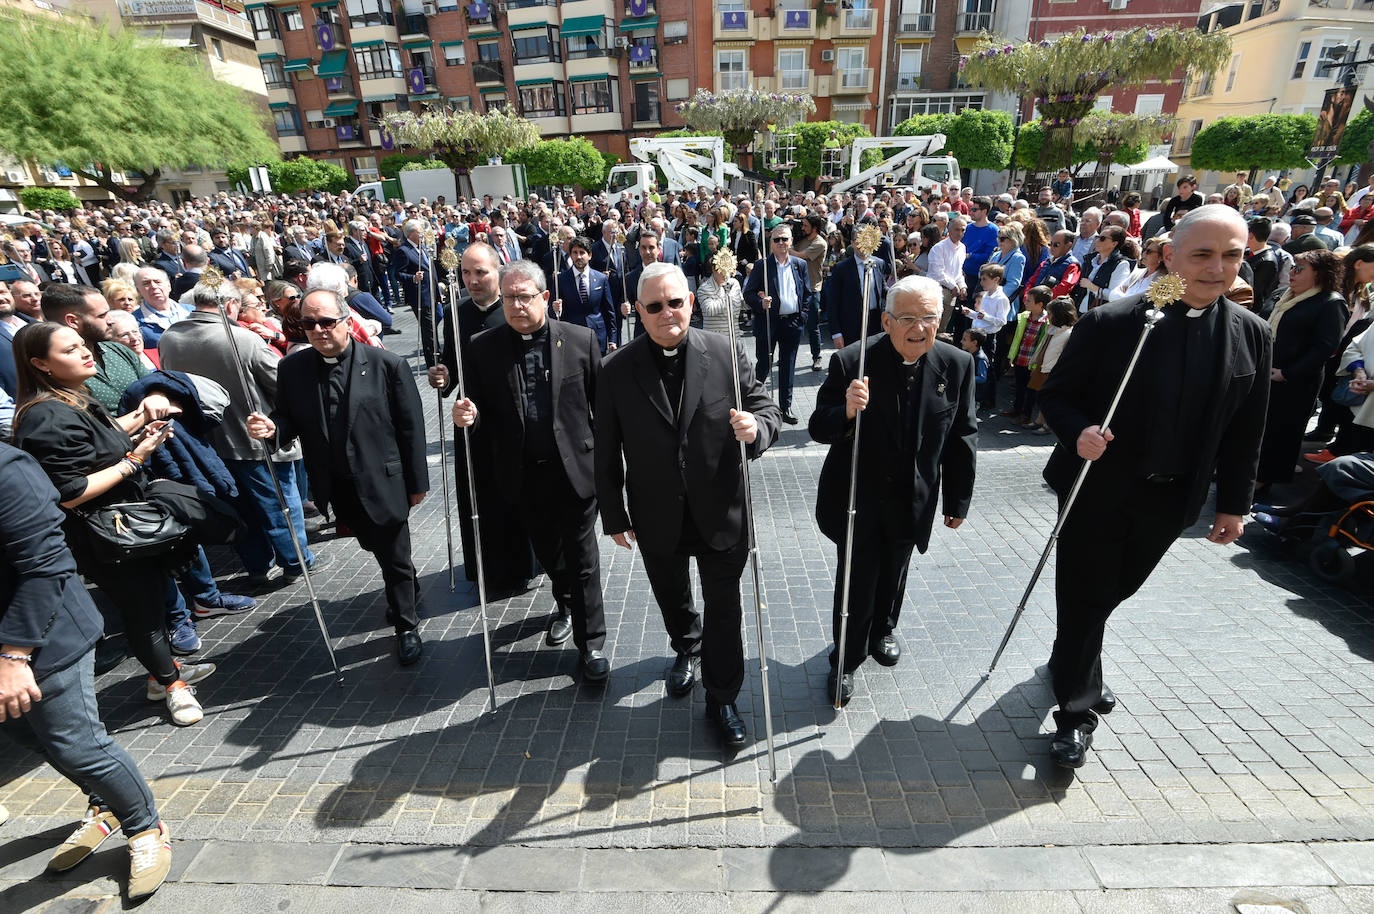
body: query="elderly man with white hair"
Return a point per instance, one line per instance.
(1088, 224)
(920, 447)
(158, 310)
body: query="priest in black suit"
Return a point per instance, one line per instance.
(586, 296)
(357, 414)
(506, 554)
(531, 386)
(666, 432)
(1194, 408)
(917, 445)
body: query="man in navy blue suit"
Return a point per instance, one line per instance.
(586, 296)
(228, 261)
(843, 294)
(169, 259)
(784, 310)
(10, 323)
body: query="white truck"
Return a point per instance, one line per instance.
(906, 160)
(431, 183)
(688, 162)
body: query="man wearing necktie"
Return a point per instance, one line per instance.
(586, 296)
(228, 261)
(413, 270)
(779, 318)
(842, 297)
(358, 416)
(1193, 409)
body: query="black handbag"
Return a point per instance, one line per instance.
(131, 531)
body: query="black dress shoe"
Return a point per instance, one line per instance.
(733, 733)
(1107, 703)
(1070, 746)
(683, 675)
(409, 647)
(846, 692)
(595, 666)
(886, 651)
(789, 417)
(560, 630)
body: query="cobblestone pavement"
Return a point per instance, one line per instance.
(1246, 717)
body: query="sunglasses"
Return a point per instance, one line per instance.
(324, 323)
(672, 304)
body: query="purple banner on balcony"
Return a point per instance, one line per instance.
(416, 80)
(638, 8)
(641, 54)
(333, 84)
(387, 141)
(478, 11)
(346, 132)
(796, 19)
(325, 36)
(733, 21)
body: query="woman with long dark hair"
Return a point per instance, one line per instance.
(1353, 430)
(95, 459)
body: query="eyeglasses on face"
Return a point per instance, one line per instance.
(911, 320)
(522, 301)
(324, 323)
(672, 304)
(782, 240)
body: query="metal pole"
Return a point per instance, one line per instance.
(767, 319)
(450, 262)
(1152, 317)
(249, 399)
(753, 556)
(439, 398)
(624, 290)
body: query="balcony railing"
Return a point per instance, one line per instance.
(412, 24)
(794, 79)
(858, 79)
(339, 85)
(908, 81)
(636, 9)
(478, 13)
(734, 20)
(488, 71)
(916, 22)
(643, 57)
(349, 132)
(975, 22)
(796, 20)
(859, 20)
(647, 112)
(421, 80)
(732, 79)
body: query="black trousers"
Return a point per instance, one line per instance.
(1106, 553)
(507, 558)
(564, 539)
(714, 633)
(390, 546)
(881, 557)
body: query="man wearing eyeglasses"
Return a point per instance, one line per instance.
(918, 441)
(668, 476)
(779, 316)
(357, 414)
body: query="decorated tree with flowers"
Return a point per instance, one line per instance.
(461, 139)
(739, 114)
(1065, 76)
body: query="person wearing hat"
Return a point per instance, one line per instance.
(1305, 237)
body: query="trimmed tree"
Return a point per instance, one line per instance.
(977, 138)
(58, 199)
(554, 162)
(1355, 148)
(157, 106)
(739, 114)
(1065, 76)
(1256, 141)
(294, 175)
(1123, 139)
(811, 140)
(461, 139)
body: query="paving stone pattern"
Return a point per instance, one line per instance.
(1244, 683)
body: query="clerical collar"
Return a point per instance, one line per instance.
(671, 353)
(1190, 311)
(336, 359)
(539, 334)
(485, 308)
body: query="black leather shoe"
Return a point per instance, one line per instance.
(683, 675)
(733, 733)
(1107, 704)
(886, 651)
(846, 692)
(595, 666)
(560, 630)
(789, 417)
(409, 647)
(1070, 746)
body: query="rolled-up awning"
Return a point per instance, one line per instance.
(341, 109)
(297, 65)
(583, 25)
(634, 25)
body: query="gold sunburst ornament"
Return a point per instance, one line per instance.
(212, 278)
(1166, 290)
(867, 240)
(448, 258)
(725, 262)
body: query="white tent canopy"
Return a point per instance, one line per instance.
(1155, 164)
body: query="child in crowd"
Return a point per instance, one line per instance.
(973, 342)
(989, 315)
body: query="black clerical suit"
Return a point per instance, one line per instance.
(363, 432)
(665, 443)
(1195, 404)
(506, 554)
(919, 441)
(534, 395)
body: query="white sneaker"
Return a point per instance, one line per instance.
(191, 673)
(181, 701)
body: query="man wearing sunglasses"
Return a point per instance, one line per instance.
(918, 441)
(666, 433)
(781, 311)
(357, 414)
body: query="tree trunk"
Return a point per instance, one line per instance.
(102, 178)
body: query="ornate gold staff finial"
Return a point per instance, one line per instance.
(621, 237)
(867, 240)
(725, 262)
(211, 278)
(448, 257)
(428, 236)
(451, 241)
(1166, 290)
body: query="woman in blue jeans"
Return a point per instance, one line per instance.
(48, 631)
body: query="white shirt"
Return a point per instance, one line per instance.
(947, 263)
(995, 308)
(1139, 281)
(1357, 196)
(787, 289)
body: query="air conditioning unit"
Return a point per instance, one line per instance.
(622, 41)
(1117, 4)
(330, 122)
(15, 177)
(431, 9)
(828, 55)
